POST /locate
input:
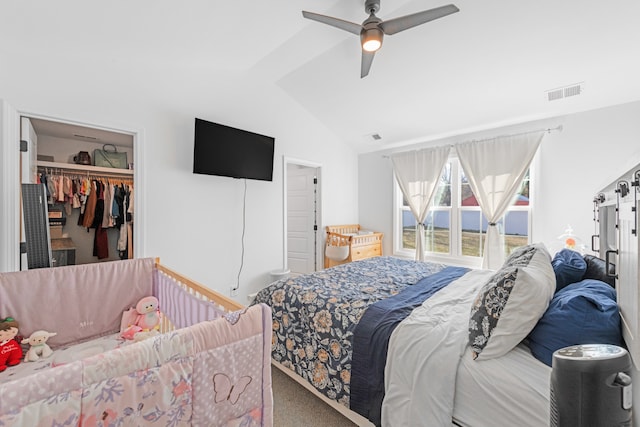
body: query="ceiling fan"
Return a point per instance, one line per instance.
(373, 29)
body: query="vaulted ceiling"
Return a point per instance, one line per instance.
(491, 64)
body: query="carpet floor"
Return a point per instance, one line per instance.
(295, 406)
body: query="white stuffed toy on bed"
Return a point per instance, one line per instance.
(38, 345)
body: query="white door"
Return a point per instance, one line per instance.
(302, 211)
(29, 164)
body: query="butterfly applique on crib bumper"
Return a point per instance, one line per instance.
(225, 390)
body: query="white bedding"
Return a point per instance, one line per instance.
(517, 383)
(430, 370)
(423, 357)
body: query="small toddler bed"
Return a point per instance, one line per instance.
(208, 366)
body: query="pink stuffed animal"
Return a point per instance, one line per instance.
(10, 350)
(139, 322)
(149, 314)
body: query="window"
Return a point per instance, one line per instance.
(455, 226)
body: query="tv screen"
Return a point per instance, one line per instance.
(226, 151)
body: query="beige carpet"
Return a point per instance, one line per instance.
(294, 406)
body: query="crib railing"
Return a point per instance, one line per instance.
(189, 302)
(344, 229)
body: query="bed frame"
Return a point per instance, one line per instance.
(346, 243)
(352, 416)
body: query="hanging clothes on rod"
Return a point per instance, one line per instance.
(103, 202)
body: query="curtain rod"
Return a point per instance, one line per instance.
(548, 130)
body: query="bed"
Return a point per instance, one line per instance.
(208, 364)
(396, 342)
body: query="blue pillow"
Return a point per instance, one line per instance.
(581, 313)
(569, 267)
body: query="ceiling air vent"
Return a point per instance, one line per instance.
(565, 92)
(572, 90)
(372, 137)
(555, 94)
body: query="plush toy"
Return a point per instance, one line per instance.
(39, 347)
(10, 350)
(149, 314)
(141, 322)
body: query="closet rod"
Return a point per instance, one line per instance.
(85, 173)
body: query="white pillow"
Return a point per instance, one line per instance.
(510, 304)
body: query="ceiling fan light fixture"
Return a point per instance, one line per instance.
(373, 29)
(371, 39)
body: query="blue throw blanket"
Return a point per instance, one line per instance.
(371, 340)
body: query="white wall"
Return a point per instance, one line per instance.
(193, 222)
(592, 149)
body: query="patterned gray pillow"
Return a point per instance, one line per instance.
(510, 304)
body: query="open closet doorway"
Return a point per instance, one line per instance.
(302, 229)
(89, 175)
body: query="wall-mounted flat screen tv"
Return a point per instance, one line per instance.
(227, 151)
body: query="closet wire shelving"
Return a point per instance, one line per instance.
(84, 170)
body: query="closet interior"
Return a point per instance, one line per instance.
(89, 180)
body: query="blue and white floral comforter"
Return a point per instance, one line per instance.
(314, 316)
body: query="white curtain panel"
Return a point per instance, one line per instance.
(495, 169)
(417, 173)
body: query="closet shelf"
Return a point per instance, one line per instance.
(85, 168)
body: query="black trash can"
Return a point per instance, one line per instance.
(591, 387)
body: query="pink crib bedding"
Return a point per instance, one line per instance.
(64, 355)
(78, 302)
(214, 373)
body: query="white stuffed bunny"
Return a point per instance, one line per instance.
(39, 347)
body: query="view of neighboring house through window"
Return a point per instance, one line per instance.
(455, 226)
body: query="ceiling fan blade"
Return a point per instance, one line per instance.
(367, 59)
(395, 25)
(334, 22)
